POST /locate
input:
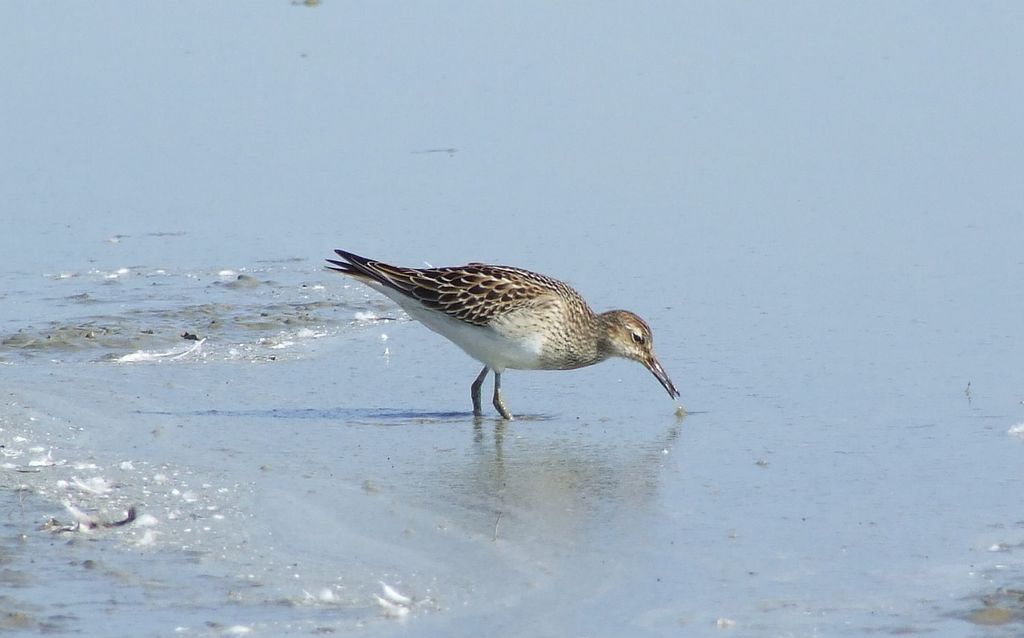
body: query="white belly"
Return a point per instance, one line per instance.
(496, 350)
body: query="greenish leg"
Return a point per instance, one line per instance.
(499, 405)
(475, 389)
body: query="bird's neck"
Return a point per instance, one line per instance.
(581, 346)
(605, 328)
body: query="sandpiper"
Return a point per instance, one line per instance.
(508, 317)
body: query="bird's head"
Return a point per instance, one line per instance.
(629, 336)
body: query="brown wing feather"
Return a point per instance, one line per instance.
(475, 293)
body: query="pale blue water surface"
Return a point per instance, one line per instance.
(818, 209)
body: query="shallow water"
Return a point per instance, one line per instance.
(816, 210)
(315, 443)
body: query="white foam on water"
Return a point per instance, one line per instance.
(394, 596)
(147, 538)
(325, 595)
(117, 274)
(94, 485)
(78, 515)
(173, 354)
(391, 609)
(147, 520)
(45, 460)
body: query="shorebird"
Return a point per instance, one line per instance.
(508, 317)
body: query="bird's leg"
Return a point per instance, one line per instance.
(475, 390)
(499, 405)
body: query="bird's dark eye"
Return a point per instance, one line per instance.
(638, 338)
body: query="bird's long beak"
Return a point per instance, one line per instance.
(659, 372)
